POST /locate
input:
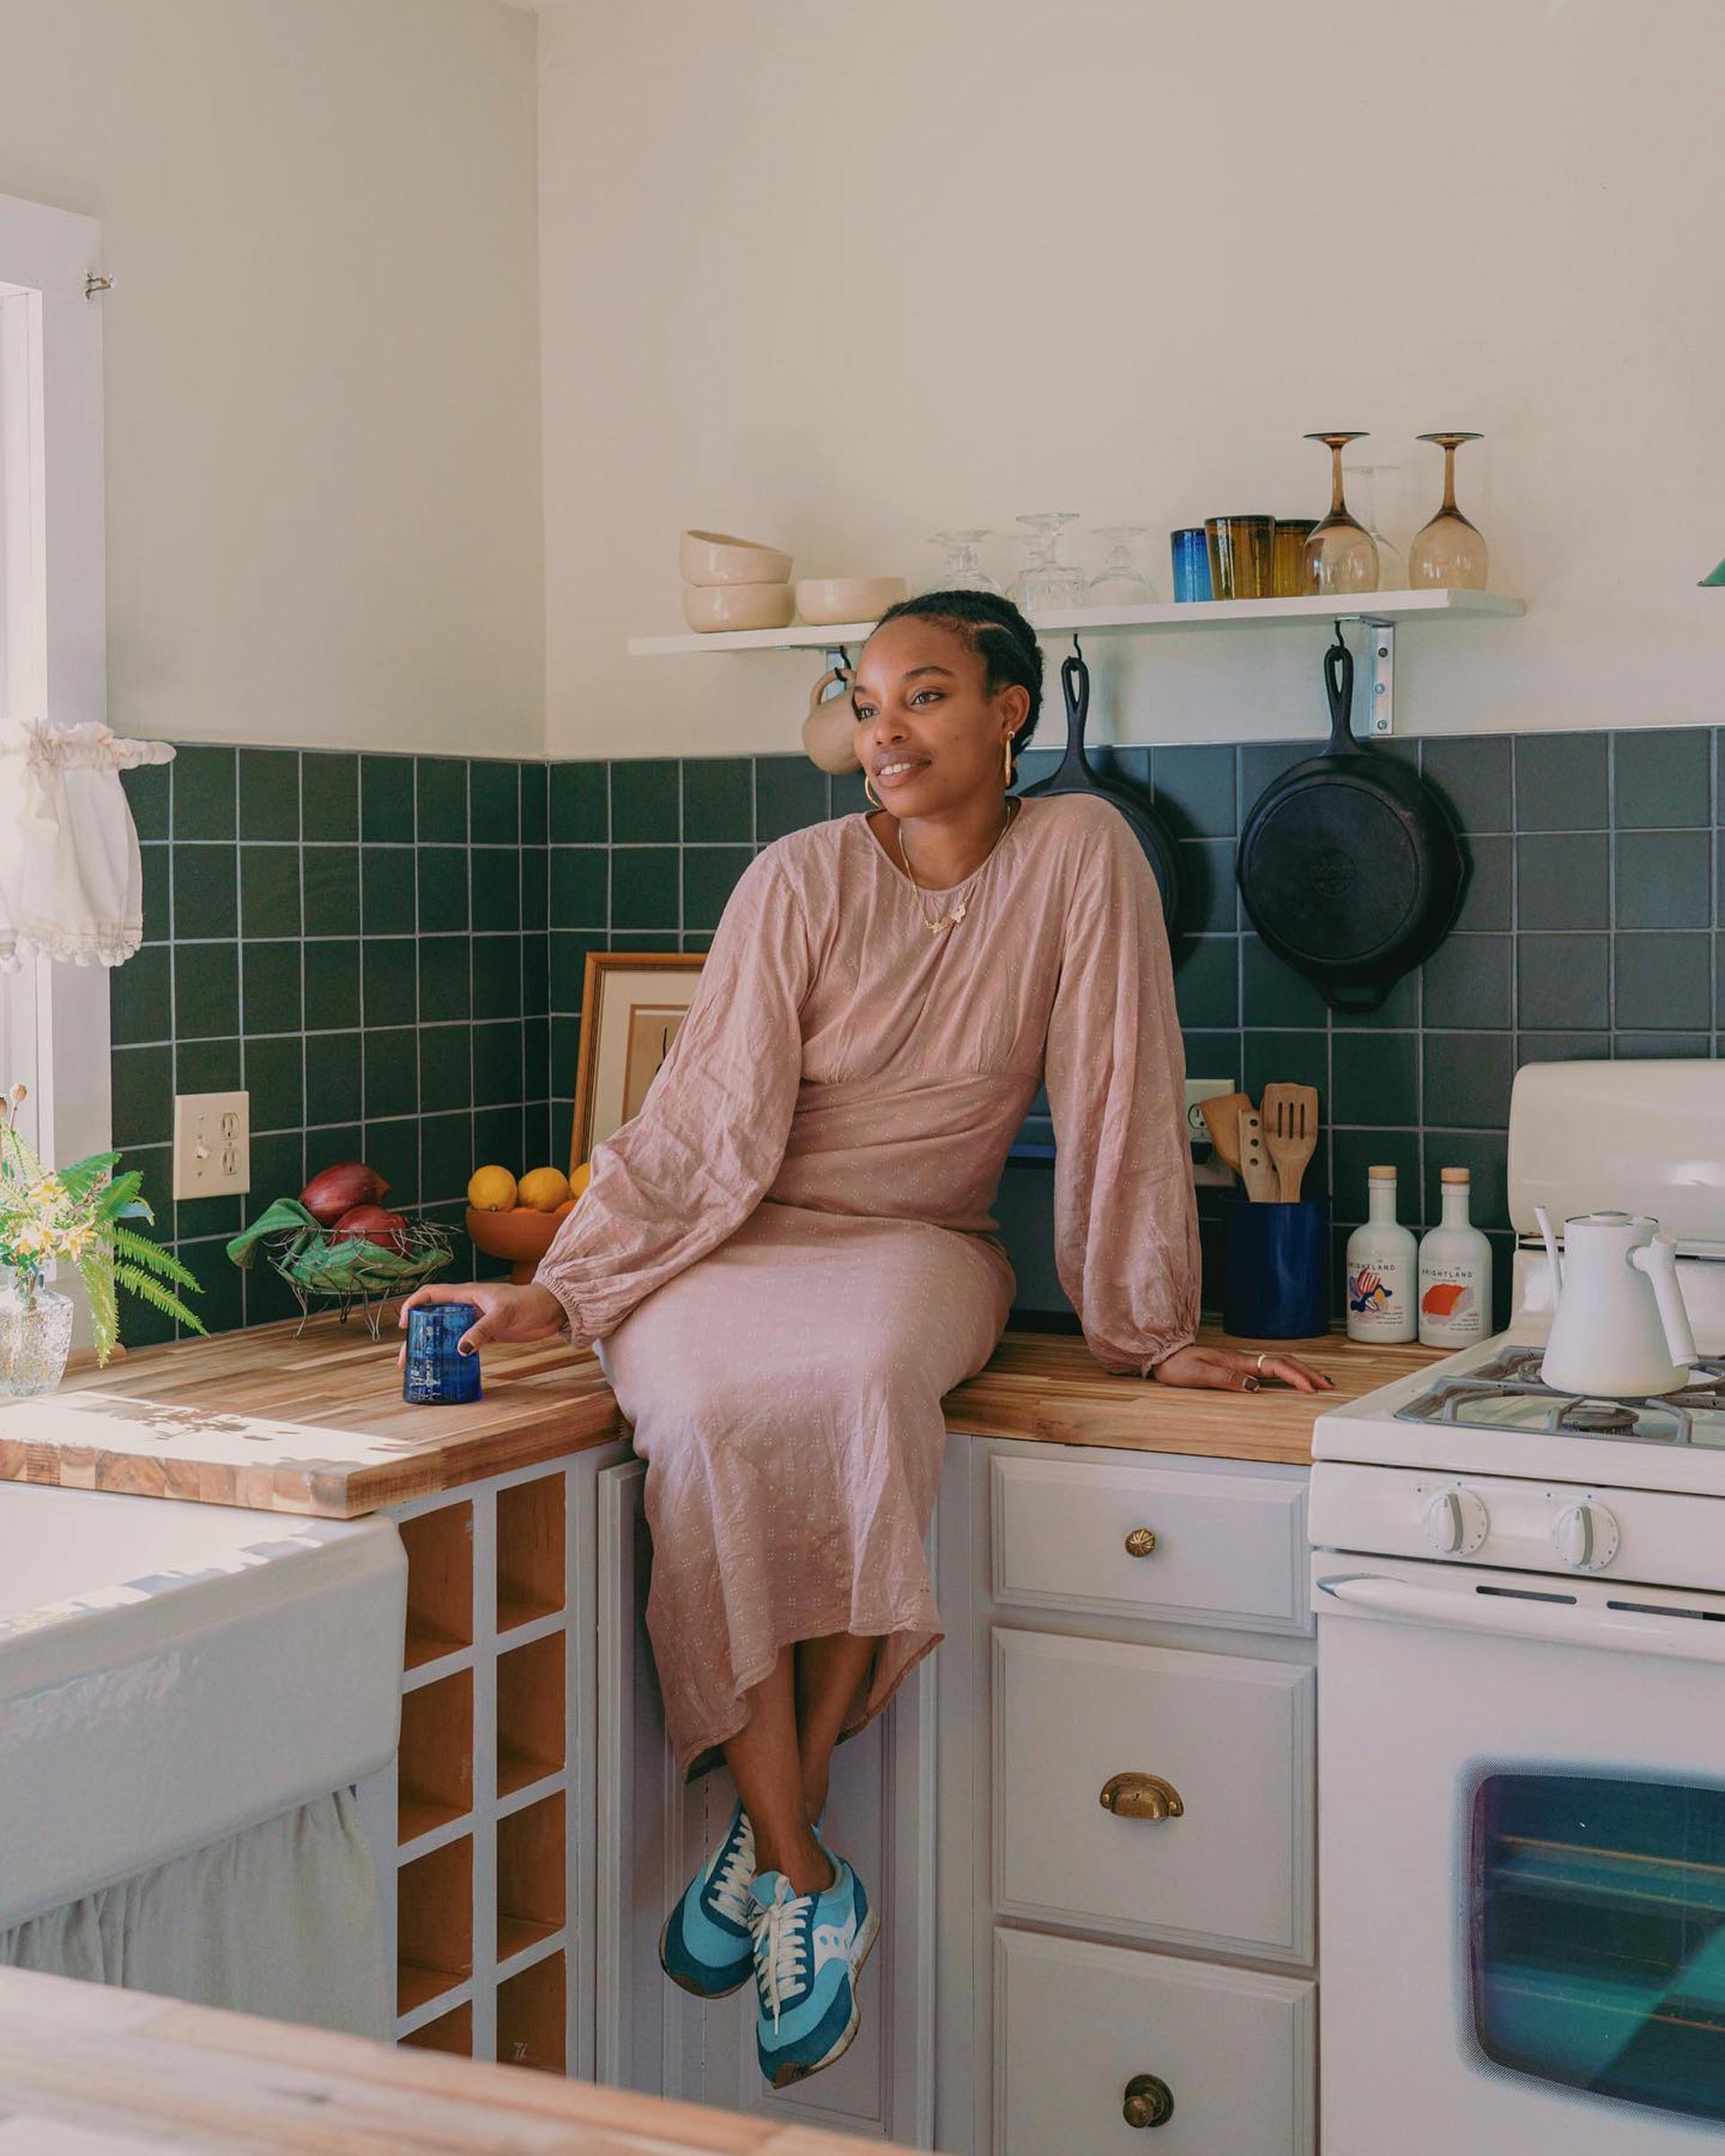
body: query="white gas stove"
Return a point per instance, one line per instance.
(1521, 1621)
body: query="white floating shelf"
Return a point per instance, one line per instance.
(1211, 614)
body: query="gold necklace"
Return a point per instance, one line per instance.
(952, 919)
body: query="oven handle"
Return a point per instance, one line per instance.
(1565, 1624)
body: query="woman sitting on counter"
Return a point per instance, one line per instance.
(786, 1260)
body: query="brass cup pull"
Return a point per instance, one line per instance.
(1141, 1797)
(1149, 2101)
(1141, 1542)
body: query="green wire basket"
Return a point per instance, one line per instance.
(346, 1274)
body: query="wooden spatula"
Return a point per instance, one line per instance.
(1255, 1170)
(1222, 1120)
(1290, 1117)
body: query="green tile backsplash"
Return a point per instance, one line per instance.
(389, 952)
(310, 924)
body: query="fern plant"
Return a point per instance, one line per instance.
(82, 1212)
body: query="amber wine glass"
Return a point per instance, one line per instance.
(1342, 555)
(1449, 551)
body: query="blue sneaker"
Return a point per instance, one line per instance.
(705, 1944)
(809, 1952)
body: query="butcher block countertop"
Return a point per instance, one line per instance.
(318, 1425)
(87, 2070)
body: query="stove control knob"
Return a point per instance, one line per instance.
(1585, 1537)
(1456, 1523)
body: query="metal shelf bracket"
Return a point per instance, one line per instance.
(1383, 675)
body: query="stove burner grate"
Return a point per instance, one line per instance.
(1517, 1375)
(1597, 1417)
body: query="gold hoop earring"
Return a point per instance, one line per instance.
(1009, 760)
(872, 795)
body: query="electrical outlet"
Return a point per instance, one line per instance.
(212, 1144)
(1206, 1167)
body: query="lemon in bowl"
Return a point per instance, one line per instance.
(491, 1190)
(544, 1188)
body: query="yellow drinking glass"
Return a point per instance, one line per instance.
(1242, 551)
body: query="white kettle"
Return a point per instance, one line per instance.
(1620, 1328)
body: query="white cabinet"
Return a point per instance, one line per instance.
(654, 1830)
(1041, 1957)
(1223, 1744)
(1218, 2062)
(1135, 1627)
(1132, 1539)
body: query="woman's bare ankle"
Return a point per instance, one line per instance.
(804, 1862)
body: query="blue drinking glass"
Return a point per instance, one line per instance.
(1191, 564)
(438, 1375)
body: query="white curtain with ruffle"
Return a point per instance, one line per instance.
(70, 876)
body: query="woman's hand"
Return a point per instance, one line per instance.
(505, 1313)
(1233, 1370)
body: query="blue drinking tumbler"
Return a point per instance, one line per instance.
(1192, 553)
(438, 1375)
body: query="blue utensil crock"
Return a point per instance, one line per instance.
(1276, 1270)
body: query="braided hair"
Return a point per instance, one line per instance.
(996, 631)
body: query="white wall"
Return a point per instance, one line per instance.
(838, 274)
(324, 482)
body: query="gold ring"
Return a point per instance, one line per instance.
(1259, 1365)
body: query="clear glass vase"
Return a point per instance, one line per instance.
(35, 1337)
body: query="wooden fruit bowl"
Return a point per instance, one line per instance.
(522, 1236)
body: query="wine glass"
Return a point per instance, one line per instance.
(1119, 581)
(1371, 483)
(961, 567)
(1449, 551)
(1047, 582)
(1341, 555)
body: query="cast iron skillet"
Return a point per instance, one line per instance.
(1075, 776)
(1349, 868)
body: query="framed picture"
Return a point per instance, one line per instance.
(632, 1004)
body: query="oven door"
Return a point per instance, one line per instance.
(1521, 1821)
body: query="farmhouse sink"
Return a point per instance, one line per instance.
(171, 1672)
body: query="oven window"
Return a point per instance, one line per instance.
(1598, 1935)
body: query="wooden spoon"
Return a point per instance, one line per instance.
(1222, 1120)
(1290, 1114)
(1255, 1170)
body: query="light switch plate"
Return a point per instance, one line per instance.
(1205, 1168)
(212, 1144)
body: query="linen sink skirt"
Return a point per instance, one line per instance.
(785, 1392)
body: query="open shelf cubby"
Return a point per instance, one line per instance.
(452, 2032)
(434, 1782)
(532, 2016)
(529, 1713)
(434, 1924)
(532, 1901)
(530, 1563)
(439, 1547)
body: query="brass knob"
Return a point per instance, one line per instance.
(1141, 1797)
(1149, 2101)
(1141, 1541)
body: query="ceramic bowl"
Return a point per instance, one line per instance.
(718, 557)
(707, 606)
(821, 600)
(521, 1235)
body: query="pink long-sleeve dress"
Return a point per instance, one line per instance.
(786, 1259)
